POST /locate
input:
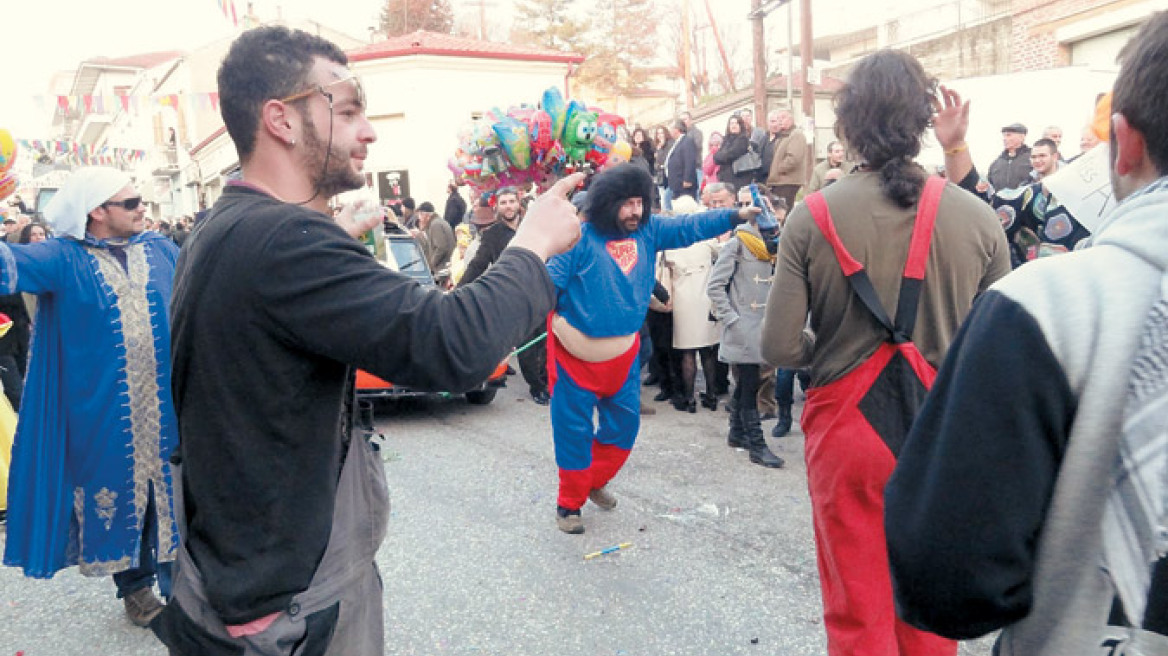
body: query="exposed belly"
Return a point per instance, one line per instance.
(589, 349)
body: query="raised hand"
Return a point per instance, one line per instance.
(550, 225)
(950, 118)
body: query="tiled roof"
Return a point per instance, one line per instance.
(449, 45)
(143, 60)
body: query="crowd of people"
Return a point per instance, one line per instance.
(980, 453)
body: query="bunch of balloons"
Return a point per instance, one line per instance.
(7, 159)
(535, 145)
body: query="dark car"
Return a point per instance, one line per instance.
(402, 253)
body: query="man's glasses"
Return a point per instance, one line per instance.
(129, 204)
(359, 92)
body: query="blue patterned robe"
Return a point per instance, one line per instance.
(98, 421)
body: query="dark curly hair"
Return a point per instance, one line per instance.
(265, 63)
(610, 189)
(1141, 85)
(882, 112)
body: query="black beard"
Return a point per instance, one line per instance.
(337, 177)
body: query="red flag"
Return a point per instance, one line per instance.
(125, 102)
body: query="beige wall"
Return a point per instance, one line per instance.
(418, 104)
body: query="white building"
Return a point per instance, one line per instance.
(423, 87)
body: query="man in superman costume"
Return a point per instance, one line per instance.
(603, 285)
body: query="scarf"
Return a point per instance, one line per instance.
(1136, 514)
(83, 192)
(755, 245)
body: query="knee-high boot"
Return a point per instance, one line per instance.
(737, 437)
(760, 453)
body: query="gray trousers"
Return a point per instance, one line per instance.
(341, 611)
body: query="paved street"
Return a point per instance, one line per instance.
(722, 561)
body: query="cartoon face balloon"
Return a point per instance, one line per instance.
(539, 134)
(515, 142)
(7, 151)
(578, 135)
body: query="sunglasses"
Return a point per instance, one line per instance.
(317, 88)
(129, 204)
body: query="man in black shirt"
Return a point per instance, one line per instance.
(274, 305)
(532, 360)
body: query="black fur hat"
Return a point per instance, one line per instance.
(610, 189)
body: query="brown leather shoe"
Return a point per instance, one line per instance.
(570, 522)
(142, 606)
(603, 498)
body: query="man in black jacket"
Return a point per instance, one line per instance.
(455, 206)
(274, 305)
(1012, 168)
(681, 163)
(532, 360)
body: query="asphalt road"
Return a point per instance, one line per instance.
(722, 560)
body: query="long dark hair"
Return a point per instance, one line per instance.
(741, 127)
(882, 112)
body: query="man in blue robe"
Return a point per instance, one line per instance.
(90, 484)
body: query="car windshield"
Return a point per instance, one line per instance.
(408, 256)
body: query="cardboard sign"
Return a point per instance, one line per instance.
(1083, 187)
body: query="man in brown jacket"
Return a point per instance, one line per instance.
(788, 156)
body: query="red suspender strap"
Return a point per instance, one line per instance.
(822, 217)
(922, 235)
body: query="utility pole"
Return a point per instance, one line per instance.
(759, 45)
(806, 53)
(721, 49)
(686, 72)
(790, 55)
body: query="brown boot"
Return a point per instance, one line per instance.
(569, 521)
(142, 606)
(603, 498)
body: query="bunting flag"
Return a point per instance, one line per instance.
(136, 104)
(228, 9)
(75, 153)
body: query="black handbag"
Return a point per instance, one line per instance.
(748, 162)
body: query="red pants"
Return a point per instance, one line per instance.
(848, 466)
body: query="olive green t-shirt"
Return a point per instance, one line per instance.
(968, 253)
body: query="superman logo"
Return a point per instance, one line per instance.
(624, 251)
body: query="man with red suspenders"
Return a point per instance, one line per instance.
(886, 237)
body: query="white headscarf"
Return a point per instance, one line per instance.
(84, 191)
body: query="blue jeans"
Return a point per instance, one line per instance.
(666, 199)
(785, 385)
(132, 580)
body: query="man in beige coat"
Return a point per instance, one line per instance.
(787, 147)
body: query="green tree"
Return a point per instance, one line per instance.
(551, 24)
(405, 16)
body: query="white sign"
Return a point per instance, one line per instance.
(1084, 187)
